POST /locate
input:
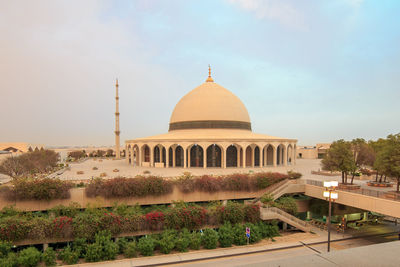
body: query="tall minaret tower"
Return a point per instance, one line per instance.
(117, 132)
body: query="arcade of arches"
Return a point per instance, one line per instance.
(211, 155)
(210, 128)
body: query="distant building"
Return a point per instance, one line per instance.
(15, 149)
(312, 152)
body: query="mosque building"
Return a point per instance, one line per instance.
(210, 128)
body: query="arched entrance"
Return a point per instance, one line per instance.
(270, 155)
(146, 153)
(249, 157)
(214, 156)
(179, 156)
(280, 154)
(289, 154)
(196, 156)
(257, 156)
(232, 156)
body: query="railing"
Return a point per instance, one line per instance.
(285, 214)
(361, 191)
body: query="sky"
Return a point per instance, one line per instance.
(316, 71)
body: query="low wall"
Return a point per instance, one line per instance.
(78, 196)
(379, 205)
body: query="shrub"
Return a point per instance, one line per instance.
(239, 235)
(102, 249)
(80, 172)
(5, 248)
(130, 250)
(39, 189)
(111, 222)
(233, 212)
(167, 241)
(94, 187)
(103, 174)
(122, 243)
(208, 183)
(255, 234)
(190, 217)
(266, 179)
(10, 261)
(210, 238)
(69, 256)
(195, 240)
(146, 246)
(183, 241)
(287, 204)
(62, 226)
(86, 225)
(225, 235)
(268, 230)
(14, 228)
(238, 182)
(95, 168)
(267, 199)
(186, 183)
(80, 245)
(252, 213)
(155, 220)
(29, 257)
(294, 175)
(49, 257)
(71, 210)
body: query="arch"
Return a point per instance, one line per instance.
(249, 157)
(135, 155)
(158, 156)
(196, 156)
(256, 156)
(179, 156)
(280, 150)
(170, 157)
(270, 155)
(163, 156)
(214, 156)
(146, 153)
(232, 156)
(289, 154)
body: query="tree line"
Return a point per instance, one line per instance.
(380, 157)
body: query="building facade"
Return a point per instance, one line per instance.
(210, 128)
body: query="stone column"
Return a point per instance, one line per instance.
(253, 156)
(184, 157)
(167, 157)
(127, 154)
(223, 158)
(189, 158)
(237, 157)
(204, 158)
(244, 158)
(285, 158)
(274, 156)
(173, 157)
(152, 157)
(294, 155)
(132, 157)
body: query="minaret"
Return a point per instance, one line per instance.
(117, 132)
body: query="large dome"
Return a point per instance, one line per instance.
(210, 106)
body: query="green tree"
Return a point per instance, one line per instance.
(339, 158)
(388, 158)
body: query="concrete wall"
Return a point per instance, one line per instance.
(78, 195)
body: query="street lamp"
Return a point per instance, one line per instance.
(330, 194)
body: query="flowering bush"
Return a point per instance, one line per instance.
(190, 217)
(38, 189)
(62, 226)
(208, 183)
(155, 220)
(266, 179)
(112, 222)
(252, 213)
(233, 212)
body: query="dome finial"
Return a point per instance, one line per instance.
(209, 79)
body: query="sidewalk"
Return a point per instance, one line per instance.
(321, 236)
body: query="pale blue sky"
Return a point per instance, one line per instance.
(312, 70)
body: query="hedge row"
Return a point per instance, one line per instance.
(144, 186)
(103, 248)
(73, 223)
(37, 189)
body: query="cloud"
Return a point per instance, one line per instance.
(281, 11)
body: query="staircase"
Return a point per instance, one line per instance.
(272, 213)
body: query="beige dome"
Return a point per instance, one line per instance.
(210, 106)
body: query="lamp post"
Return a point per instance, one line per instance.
(330, 194)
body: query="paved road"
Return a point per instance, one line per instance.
(259, 258)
